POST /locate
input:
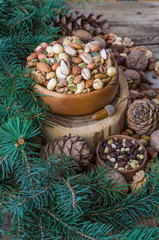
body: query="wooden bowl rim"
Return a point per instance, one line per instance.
(114, 81)
(121, 137)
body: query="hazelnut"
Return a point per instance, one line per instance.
(154, 140)
(76, 70)
(111, 72)
(98, 84)
(57, 48)
(49, 49)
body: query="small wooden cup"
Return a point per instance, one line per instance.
(80, 104)
(128, 174)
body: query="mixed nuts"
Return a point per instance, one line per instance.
(72, 66)
(121, 154)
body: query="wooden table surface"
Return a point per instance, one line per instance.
(137, 20)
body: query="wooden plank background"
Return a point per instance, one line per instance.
(137, 20)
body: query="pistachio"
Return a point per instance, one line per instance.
(58, 48)
(59, 73)
(88, 47)
(72, 87)
(98, 84)
(38, 49)
(80, 87)
(70, 50)
(51, 84)
(86, 74)
(111, 72)
(105, 54)
(82, 65)
(49, 49)
(50, 75)
(63, 56)
(65, 66)
(52, 60)
(97, 58)
(87, 58)
(70, 79)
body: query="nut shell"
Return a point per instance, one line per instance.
(137, 60)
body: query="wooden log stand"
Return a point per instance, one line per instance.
(92, 131)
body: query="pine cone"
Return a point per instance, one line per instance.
(88, 21)
(75, 147)
(142, 116)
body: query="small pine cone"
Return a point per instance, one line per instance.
(142, 116)
(90, 22)
(38, 75)
(75, 147)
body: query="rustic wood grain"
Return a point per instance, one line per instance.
(137, 20)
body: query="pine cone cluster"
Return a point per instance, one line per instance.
(75, 147)
(88, 21)
(142, 116)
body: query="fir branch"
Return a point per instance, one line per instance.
(67, 225)
(72, 192)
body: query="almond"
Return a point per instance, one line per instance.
(31, 57)
(91, 66)
(76, 60)
(76, 45)
(43, 67)
(55, 66)
(42, 56)
(99, 75)
(94, 48)
(77, 79)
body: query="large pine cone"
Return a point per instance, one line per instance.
(88, 21)
(142, 116)
(75, 147)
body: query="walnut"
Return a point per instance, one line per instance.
(102, 68)
(139, 180)
(38, 75)
(132, 77)
(32, 64)
(137, 60)
(61, 86)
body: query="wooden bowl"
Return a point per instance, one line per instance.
(79, 104)
(128, 174)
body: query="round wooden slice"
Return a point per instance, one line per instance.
(85, 127)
